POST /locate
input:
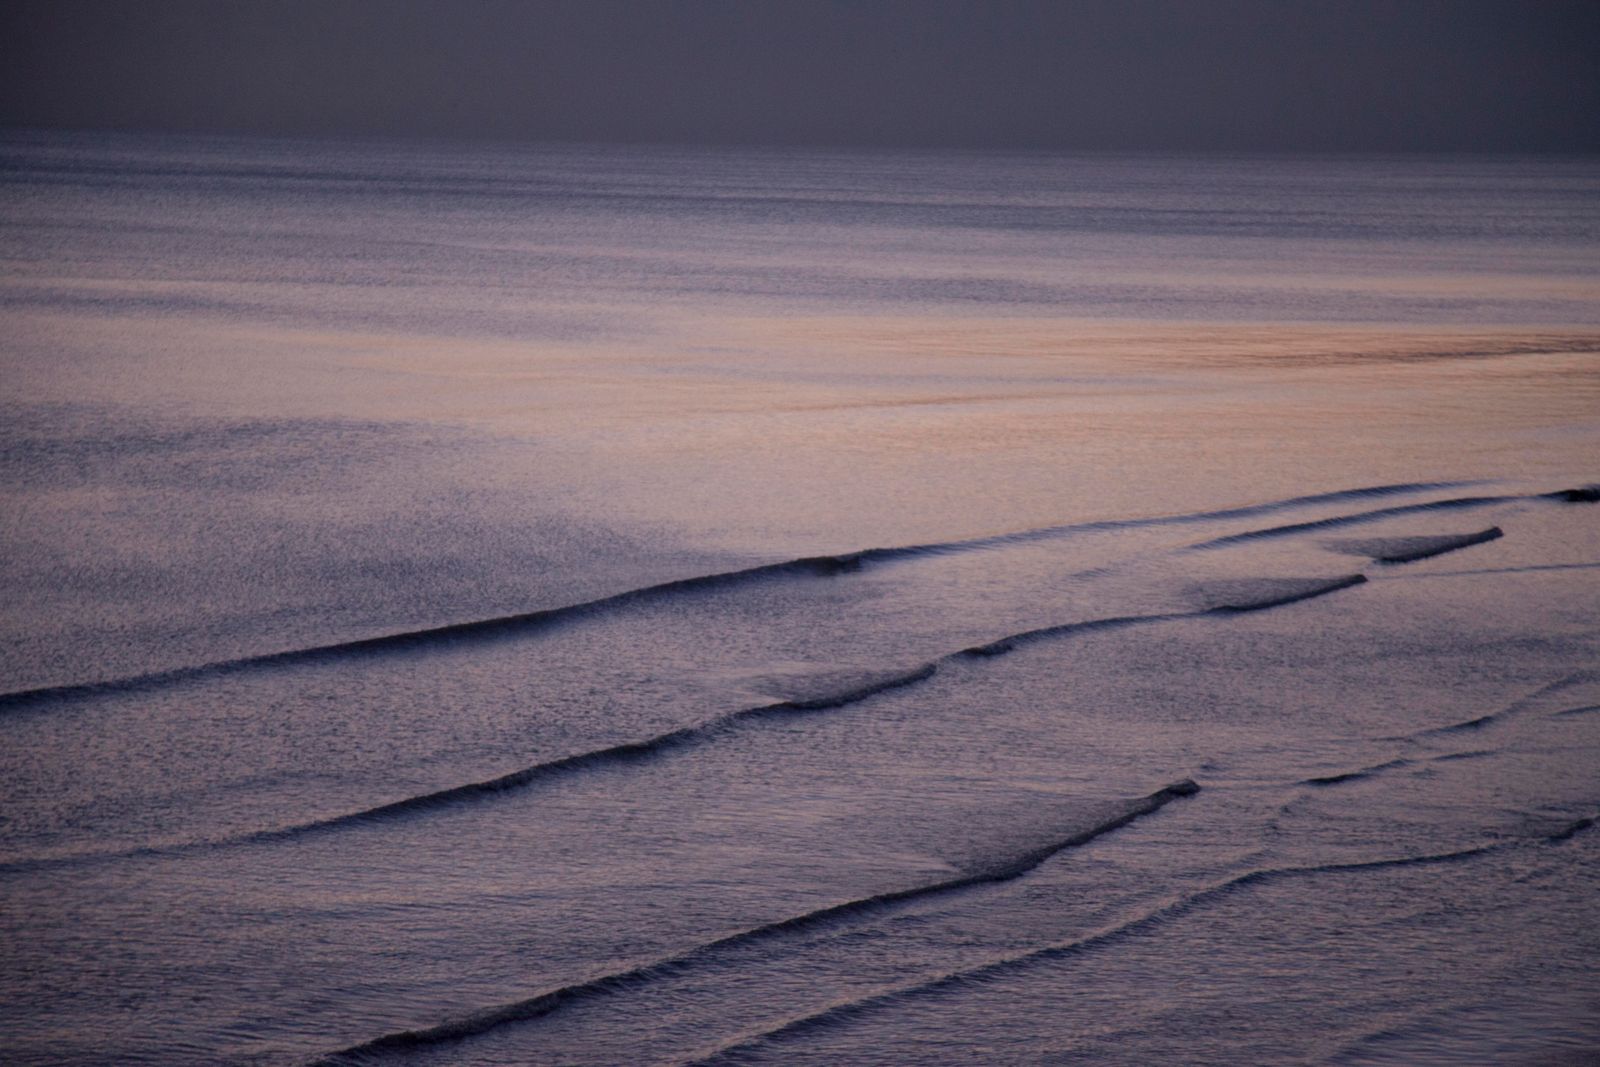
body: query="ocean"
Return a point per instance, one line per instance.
(574, 604)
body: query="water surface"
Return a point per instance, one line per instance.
(578, 604)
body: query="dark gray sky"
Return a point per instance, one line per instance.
(1120, 74)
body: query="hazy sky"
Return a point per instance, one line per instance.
(1273, 74)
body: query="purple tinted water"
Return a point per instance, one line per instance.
(313, 454)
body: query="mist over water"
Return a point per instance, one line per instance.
(582, 604)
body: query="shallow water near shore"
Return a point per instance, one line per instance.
(587, 605)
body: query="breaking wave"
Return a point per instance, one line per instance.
(1410, 549)
(1292, 591)
(543, 1004)
(1358, 775)
(806, 567)
(1357, 518)
(845, 1010)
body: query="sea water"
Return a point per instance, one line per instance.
(588, 604)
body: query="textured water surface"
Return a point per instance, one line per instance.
(586, 605)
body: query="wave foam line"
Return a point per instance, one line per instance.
(1362, 773)
(1585, 710)
(815, 566)
(626, 752)
(1583, 494)
(1108, 525)
(1571, 830)
(1514, 708)
(543, 1004)
(1411, 549)
(660, 744)
(843, 1011)
(1494, 570)
(810, 566)
(1357, 518)
(1358, 775)
(1305, 591)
